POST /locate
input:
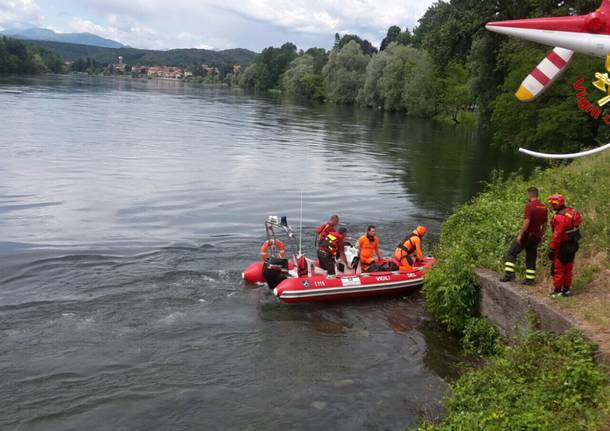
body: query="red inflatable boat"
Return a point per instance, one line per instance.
(299, 279)
(324, 288)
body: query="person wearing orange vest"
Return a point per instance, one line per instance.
(409, 251)
(563, 245)
(368, 245)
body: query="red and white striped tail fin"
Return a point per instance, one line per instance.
(543, 75)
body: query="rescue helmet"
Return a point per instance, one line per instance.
(420, 231)
(557, 201)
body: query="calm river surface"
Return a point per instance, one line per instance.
(128, 210)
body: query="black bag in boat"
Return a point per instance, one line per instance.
(388, 267)
(275, 270)
(384, 267)
(373, 268)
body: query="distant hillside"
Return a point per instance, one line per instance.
(50, 35)
(173, 57)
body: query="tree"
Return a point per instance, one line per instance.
(372, 94)
(552, 123)
(320, 58)
(366, 46)
(391, 36)
(269, 66)
(17, 57)
(396, 72)
(420, 92)
(302, 80)
(394, 34)
(344, 73)
(456, 89)
(405, 38)
(248, 77)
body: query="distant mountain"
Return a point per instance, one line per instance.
(50, 35)
(147, 57)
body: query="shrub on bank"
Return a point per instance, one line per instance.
(480, 338)
(452, 293)
(543, 383)
(480, 232)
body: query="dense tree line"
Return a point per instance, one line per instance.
(448, 63)
(16, 57)
(397, 77)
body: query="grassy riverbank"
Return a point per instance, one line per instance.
(543, 382)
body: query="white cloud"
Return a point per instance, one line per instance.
(308, 16)
(323, 16)
(128, 31)
(19, 14)
(162, 24)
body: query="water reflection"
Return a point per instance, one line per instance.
(128, 210)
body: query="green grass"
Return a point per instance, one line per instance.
(479, 233)
(545, 382)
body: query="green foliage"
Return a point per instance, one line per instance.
(148, 57)
(452, 292)
(454, 32)
(480, 232)
(480, 338)
(301, 79)
(248, 77)
(420, 97)
(17, 57)
(365, 46)
(552, 120)
(344, 73)
(544, 383)
(456, 89)
(268, 67)
(396, 35)
(87, 65)
(371, 93)
(320, 58)
(394, 72)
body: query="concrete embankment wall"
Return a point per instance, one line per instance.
(510, 308)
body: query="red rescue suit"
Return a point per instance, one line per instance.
(562, 248)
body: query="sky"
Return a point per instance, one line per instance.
(215, 24)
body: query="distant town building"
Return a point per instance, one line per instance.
(165, 72)
(141, 70)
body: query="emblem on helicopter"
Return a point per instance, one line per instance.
(587, 34)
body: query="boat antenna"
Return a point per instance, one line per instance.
(301, 227)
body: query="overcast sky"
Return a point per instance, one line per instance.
(217, 24)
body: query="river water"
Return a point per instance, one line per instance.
(128, 210)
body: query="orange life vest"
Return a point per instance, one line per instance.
(407, 248)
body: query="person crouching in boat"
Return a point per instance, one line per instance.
(331, 248)
(409, 251)
(368, 245)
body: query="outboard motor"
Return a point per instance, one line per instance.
(275, 270)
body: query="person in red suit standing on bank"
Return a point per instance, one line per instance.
(564, 245)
